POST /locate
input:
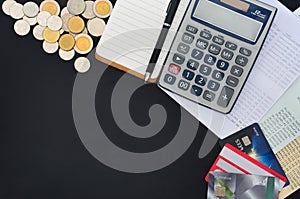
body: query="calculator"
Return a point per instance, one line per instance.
(214, 50)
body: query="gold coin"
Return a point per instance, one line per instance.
(83, 44)
(50, 35)
(102, 8)
(66, 42)
(76, 24)
(50, 6)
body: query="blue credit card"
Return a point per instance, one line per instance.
(252, 141)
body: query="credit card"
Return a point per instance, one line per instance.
(241, 186)
(232, 160)
(252, 141)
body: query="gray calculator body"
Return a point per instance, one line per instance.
(215, 49)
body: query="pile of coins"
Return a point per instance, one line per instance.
(69, 31)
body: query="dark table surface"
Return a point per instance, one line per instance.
(41, 154)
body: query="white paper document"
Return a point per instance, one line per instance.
(297, 12)
(281, 125)
(276, 68)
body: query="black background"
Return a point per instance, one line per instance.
(41, 155)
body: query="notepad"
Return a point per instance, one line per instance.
(131, 34)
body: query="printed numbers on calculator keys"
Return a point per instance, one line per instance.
(210, 59)
(202, 66)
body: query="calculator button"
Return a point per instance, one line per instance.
(223, 65)
(211, 60)
(170, 79)
(200, 80)
(218, 40)
(214, 49)
(226, 54)
(178, 59)
(231, 45)
(212, 85)
(202, 44)
(191, 29)
(195, 90)
(232, 81)
(209, 96)
(205, 35)
(236, 71)
(205, 70)
(225, 96)
(197, 54)
(218, 75)
(174, 69)
(240, 60)
(189, 75)
(245, 51)
(183, 48)
(191, 64)
(183, 85)
(187, 38)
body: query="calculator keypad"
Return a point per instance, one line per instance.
(191, 29)
(197, 54)
(178, 59)
(218, 40)
(169, 79)
(207, 67)
(205, 34)
(202, 44)
(225, 96)
(192, 64)
(183, 48)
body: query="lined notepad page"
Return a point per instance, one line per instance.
(131, 33)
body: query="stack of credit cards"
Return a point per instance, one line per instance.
(246, 168)
(252, 141)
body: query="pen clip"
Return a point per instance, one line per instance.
(169, 7)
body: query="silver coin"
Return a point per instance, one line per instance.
(65, 18)
(89, 10)
(50, 47)
(16, 11)
(85, 31)
(66, 55)
(22, 27)
(82, 64)
(31, 9)
(54, 23)
(6, 6)
(76, 7)
(64, 11)
(42, 18)
(38, 32)
(96, 26)
(31, 20)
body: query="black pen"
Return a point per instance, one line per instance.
(171, 11)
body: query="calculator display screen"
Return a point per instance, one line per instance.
(238, 18)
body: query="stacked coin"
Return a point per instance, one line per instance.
(71, 29)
